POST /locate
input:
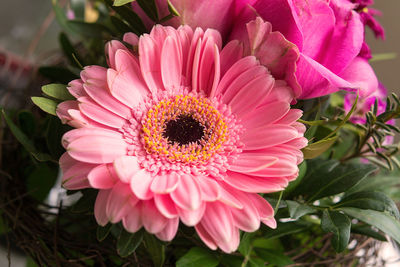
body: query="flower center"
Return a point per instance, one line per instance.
(184, 130)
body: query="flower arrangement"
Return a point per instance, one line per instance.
(206, 133)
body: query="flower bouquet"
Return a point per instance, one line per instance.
(205, 133)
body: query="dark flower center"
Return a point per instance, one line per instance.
(183, 130)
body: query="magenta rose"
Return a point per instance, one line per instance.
(328, 36)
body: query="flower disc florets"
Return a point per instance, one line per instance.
(186, 131)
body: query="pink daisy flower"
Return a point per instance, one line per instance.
(179, 129)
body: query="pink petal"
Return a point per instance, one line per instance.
(171, 63)
(110, 49)
(362, 76)
(169, 231)
(126, 83)
(120, 202)
(242, 72)
(187, 195)
(99, 92)
(166, 206)
(97, 149)
(140, 184)
(95, 112)
(291, 117)
(75, 88)
(79, 120)
(102, 177)
(206, 64)
(195, 42)
(254, 184)
(185, 34)
(205, 236)
(131, 39)
(317, 80)
(252, 94)
(126, 167)
(267, 136)
(74, 173)
(264, 209)
(274, 51)
(163, 184)
(231, 53)
(149, 57)
(63, 112)
(251, 162)
(94, 73)
(132, 221)
(228, 198)
(266, 114)
(218, 223)
(345, 32)
(280, 168)
(191, 217)
(153, 221)
(100, 207)
(77, 133)
(281, 92)
(246, 219)
(210, 189)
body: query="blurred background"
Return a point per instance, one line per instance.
(29, 38)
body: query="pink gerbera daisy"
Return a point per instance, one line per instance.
(180, 129)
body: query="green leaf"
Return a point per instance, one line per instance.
(315, 149)
(172, 9)
(274, 257)
(119, 25)
(127, 14)
(369, 200)
(380, 220)
(57, 91)
(127, 243)
(245, 243)
(155, 249)
(122, 2)
(293, 184)
(297, 210)
(367, 231)
(328, 177)
(149, 7)
(30, 263)
(45, 104)
(27, 122)
(40, 181)
(383, 56)
(58, 74)
(255, 262)
(24, 140)
(229, 260)
(102, 232)
(54, 132)
(91, 30)
(197, 257)
(288, 228)
(374, 183)
(338, 224)
(86, 202)
(70, 52)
